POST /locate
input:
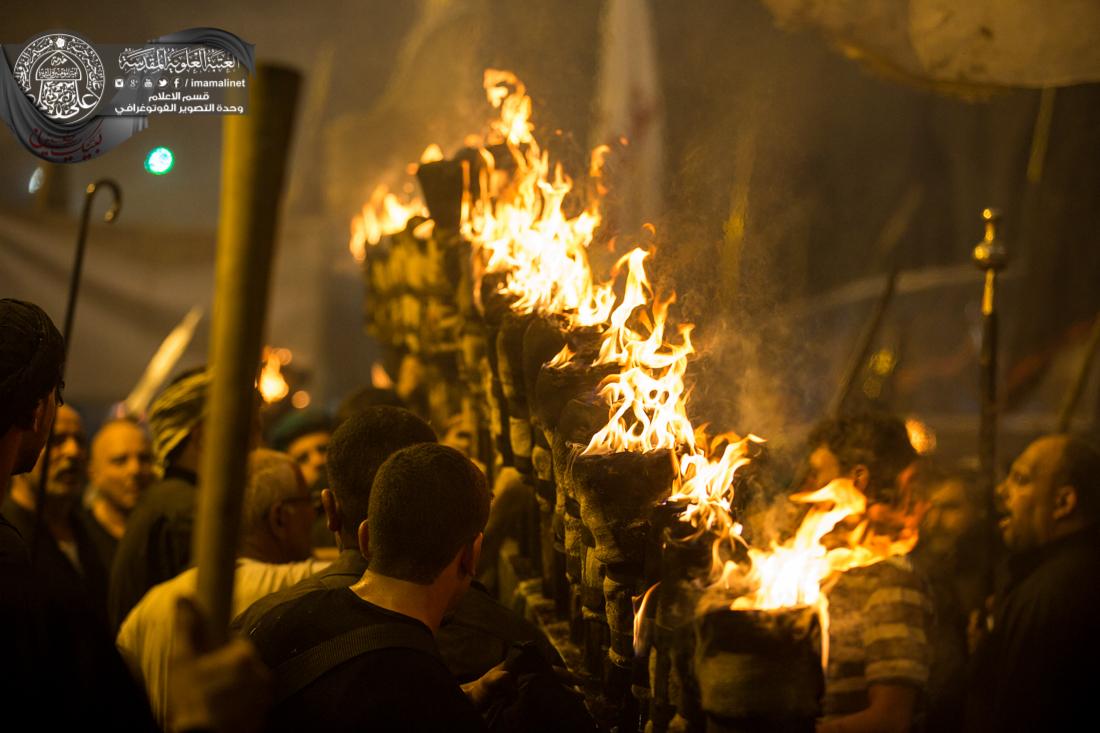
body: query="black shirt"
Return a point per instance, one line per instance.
(394, 689)
(1036, 670)
(157, 543)
(104, 542)
(85, 585)
(59, 669)
(472, 640)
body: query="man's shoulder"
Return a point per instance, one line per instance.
(252, 616)
(157, 605)
(13, 547)
(166, 495)
(304, 621)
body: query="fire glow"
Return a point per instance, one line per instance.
(525, 220)
(518, 224)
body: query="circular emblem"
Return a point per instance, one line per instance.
(63, 75)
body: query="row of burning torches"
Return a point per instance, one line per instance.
(593, 386)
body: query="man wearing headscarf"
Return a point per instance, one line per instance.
(157, 542)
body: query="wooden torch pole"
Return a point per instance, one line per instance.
(254, 153)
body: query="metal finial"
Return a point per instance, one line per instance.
(990, 254)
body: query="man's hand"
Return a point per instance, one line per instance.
(216, 689)
(482, 690)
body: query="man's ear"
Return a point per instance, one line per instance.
(1065, 502)
(364, 539)
(470, 554)
(332, 510)
(40, 416)
(276, 521)
(861, 477)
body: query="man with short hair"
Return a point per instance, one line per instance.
(63, 552)
(423, 534)
(275, 553)
(355, 452)
(157, 542)
(1032, 672)
(120, 469)
(880, 615)
(479, 632)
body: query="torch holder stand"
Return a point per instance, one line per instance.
(617, 494)
(760, 670)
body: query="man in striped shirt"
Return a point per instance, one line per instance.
(880, 615)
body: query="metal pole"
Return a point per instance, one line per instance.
(254, 157)
(989, 256)
(70, 317)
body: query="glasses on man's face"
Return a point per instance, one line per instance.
(298, 500)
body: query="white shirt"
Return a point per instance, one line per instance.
(145, 638)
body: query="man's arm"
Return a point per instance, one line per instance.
(890, 711)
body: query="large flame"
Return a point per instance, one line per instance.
(646, 399)
(794, 572)
(519, 224)
(528, 223)
(383, 214)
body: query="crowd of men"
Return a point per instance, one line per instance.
(981, 627)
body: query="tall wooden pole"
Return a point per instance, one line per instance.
(254, 153)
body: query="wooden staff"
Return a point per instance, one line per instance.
(254, 156)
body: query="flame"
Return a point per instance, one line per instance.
(921, 436)
(383, 214)
(641, 637)
(562, 358)
(272, 385)
(793, 573)
(519, 224)
(431, 154)
(646, 398)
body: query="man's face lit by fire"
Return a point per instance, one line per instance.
(122, 464)
(68, 456)
(1026, 496)
(953, 516)
(883, 516)
(310, 452)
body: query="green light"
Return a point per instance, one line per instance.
(159, 161)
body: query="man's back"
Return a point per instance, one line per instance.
(474, 638)
(398, 689)
(156, 545)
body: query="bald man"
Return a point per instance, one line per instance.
(1036, 670)
(120, 469)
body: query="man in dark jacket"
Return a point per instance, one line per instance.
(62, 549)
(1032, 671)
(423, 535)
